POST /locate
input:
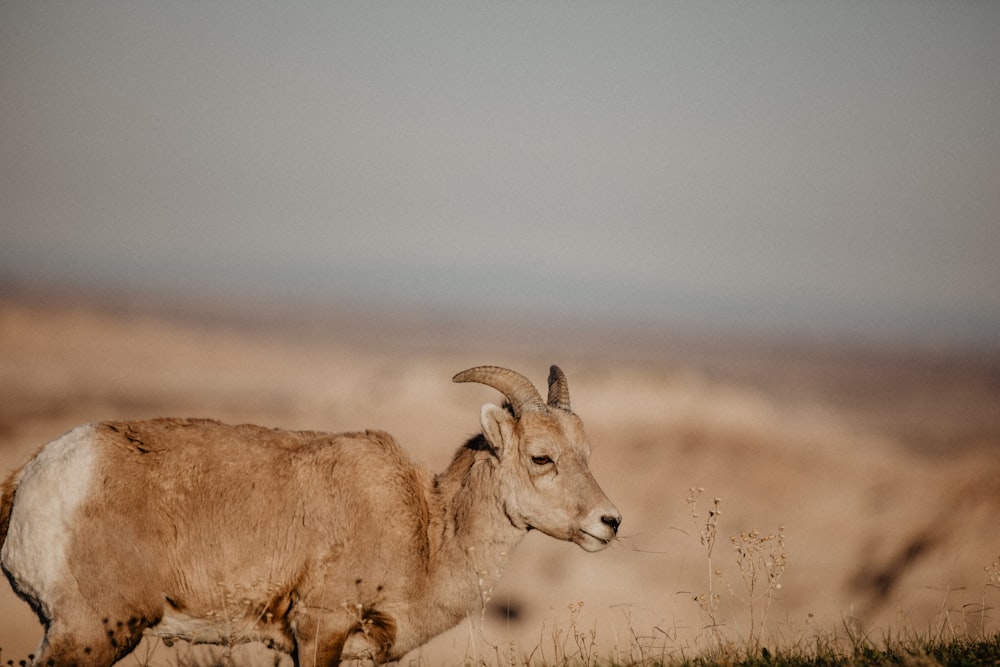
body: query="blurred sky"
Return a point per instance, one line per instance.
(817, 167)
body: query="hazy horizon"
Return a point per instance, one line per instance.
(819, 168)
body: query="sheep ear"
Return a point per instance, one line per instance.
(498, 427)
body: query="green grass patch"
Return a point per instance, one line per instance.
(957, 652)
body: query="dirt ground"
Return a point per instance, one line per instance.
(877, 466)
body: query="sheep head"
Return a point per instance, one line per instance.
(541, 454)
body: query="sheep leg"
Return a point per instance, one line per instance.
(86, 644)
(317, 646)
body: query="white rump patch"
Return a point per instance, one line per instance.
(50, 489)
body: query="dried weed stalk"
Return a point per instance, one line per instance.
(761, 560)
(708, 532)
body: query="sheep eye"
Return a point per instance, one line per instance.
(541, 460)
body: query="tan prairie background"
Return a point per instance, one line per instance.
(880, 464)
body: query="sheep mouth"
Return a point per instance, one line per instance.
(590, 542)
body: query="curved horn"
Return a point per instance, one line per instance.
(518, 390)
(558, 389)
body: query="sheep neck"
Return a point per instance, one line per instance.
(472, 535)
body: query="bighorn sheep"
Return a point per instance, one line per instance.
(325, 546)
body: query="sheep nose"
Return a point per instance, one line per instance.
(612, 521)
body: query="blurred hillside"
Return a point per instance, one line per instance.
(879, 463)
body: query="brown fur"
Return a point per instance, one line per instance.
(7, 503)
(319, 544)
